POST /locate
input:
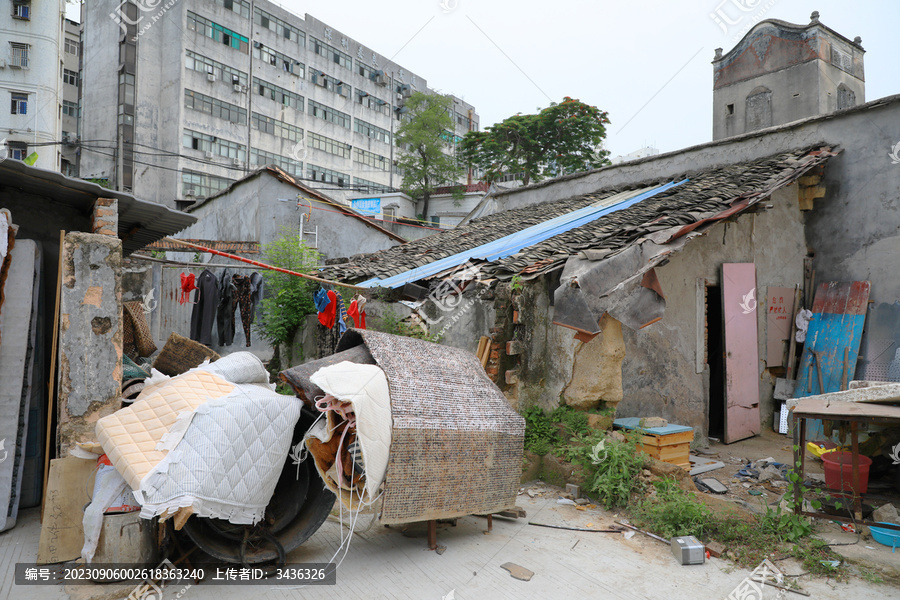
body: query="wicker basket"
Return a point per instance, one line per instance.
(456, 444)
(181, 354)
(137, 339)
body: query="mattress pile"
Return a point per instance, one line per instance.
(213, 440)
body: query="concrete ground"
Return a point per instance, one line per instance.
(392, 563)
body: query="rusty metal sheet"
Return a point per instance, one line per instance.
(741, 354)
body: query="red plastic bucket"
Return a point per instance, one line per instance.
(839, 471)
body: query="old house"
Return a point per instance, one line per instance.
(613, 285)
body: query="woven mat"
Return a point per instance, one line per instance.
(137, 339)
(457, 443)
(181, 354)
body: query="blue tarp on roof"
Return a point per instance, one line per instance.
(510, 244)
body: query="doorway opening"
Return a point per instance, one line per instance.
(715, 359)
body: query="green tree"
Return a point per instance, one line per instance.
(288, 298)
(425, 165)
(562, 138)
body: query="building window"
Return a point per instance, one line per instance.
(330, 83)
(202, 64)
(279, 27)
(758, 114)
(70, 109)
(372, 131)
(19, 104)
(21, 10)
(241, 7)
(370, 159)
(17, 150)
(215, 107)
(331, 53)
(326, 144)
(208, 143)
(19, 55)
(327, 175)
(278, 94)
(370, 187)
(372, 102)
(329, 114)
(261, 158)
(278, 60)
(275, 127)
(202, 185)
(209, 29)
(70, 77)
(71, 46)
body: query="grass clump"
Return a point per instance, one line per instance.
(672, 512)
(614, 471)
(541, 436)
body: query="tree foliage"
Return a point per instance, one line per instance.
(562, 138)
(288, 298)
(425, 165)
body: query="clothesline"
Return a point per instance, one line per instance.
(262, 265)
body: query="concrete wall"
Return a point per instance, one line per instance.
(259, 209)
(659, 371)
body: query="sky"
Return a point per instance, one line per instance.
(647, 63)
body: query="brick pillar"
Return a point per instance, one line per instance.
(105, 218)
(90, 334)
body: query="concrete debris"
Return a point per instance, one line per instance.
(770, 472)
(703, 465)
(886, 514)
(582, 501)
(573, 489)
(714, 485)
(517, 571)
(566, 501)
(648, 422)
(715, 549)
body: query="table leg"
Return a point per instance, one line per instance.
(857, 501)
(432, 534)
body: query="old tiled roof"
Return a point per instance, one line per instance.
(706, 196)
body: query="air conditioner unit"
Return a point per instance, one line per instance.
(236, 162)
(378, 78)
(208, 154)
(2, 63)
(211, 76)
(257, 45)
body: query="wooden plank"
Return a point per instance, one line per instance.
(700, 354)
(779, 305)
(169, 245)
(741, 351)
(62, 534)
(51, 376)
(839, 312)
(668, 440)
(820, 406)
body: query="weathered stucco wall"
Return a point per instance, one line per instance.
(659, 372)
(90, 340)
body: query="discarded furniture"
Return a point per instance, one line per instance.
(180, 354)
(820, 407)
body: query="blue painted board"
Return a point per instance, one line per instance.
(635, 423)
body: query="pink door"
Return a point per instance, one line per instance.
(739, 297)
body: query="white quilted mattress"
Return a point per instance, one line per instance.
(214, 439)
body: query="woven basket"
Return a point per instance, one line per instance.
(137, 339)
(456, 444)
(181, 354)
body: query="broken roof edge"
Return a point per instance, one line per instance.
(284, 177)
(871, 105)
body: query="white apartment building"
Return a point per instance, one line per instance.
(181, 100)
(71, 98)
(31, 71)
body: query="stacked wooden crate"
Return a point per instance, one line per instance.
(671, 444)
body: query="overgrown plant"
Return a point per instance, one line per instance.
(616, 471)
(288, 298)
(672, 511)
(541, 436)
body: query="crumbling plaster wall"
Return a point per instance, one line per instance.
(659, 370)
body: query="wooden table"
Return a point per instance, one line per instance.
(814, 407)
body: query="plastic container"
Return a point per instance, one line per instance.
(888, 537)
(839, 471)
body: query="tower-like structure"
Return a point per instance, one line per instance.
(780, 72)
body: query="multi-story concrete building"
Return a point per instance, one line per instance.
(71, 98)
(31, 79)
(780, 72)
(182, 100)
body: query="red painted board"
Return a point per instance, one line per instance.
(779, 304)
(739, 298)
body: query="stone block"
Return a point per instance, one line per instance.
(514, 347)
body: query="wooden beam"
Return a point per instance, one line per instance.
(170, 245)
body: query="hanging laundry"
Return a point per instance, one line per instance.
(225, 312)
(343, 317)
(187, 286)
(242, 293)
(256, 290)
(326, 304)
(357, 311)
(204, 313)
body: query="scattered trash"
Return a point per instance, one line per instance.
(688, 550)
(703, 465)
(756, 493)
(517, 571)
(629, 534)
(848, 527)
(870, 547)
(833, 564)
(566, 501)
(713, 485)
